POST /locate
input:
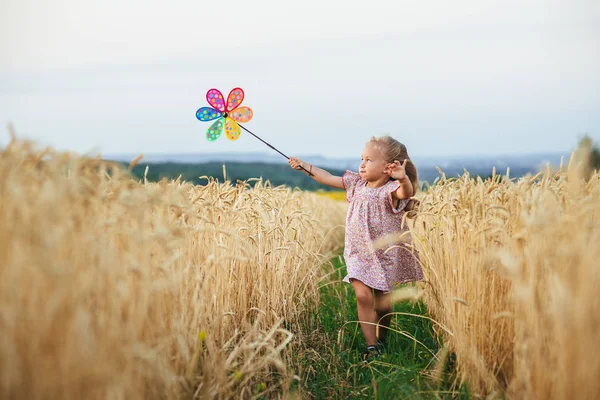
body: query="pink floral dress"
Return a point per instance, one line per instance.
(372, 216)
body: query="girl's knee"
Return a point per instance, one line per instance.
(364, 294)
(382, 310)
(364, 297)
(383, 305)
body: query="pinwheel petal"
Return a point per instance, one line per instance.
(215, 99)
(232, 129)
(207, 114)
(215, 130)
(235, 98)
(242, 114)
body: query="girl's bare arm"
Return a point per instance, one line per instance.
(319, 175)
(405, 191)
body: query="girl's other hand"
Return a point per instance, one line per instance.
(295, 163)
(397, 170)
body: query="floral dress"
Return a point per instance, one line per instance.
(372, 216)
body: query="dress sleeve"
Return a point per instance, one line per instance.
(392, 187)
(349, 180)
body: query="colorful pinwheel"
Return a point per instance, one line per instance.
(228, 114)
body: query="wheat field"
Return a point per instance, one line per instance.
(124, 289)
(112, 288)
(512, 271)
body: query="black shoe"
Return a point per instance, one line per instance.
(370, 354)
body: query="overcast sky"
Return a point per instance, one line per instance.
(443, 77)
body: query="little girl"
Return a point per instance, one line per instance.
(378, 195)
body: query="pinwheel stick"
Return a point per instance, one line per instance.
(309, 173)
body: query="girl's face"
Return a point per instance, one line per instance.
(373, 166)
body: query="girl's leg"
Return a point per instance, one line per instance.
(366, 311)
(383, 308)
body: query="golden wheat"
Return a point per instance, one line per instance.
(113, 288)
(512, 268)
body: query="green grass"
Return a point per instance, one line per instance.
(330, 368)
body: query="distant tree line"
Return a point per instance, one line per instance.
(277, 174)
(282, 174)
(595, 157)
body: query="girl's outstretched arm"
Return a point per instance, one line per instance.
(319, 175)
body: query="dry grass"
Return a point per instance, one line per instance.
(112, 288)
(513, 271)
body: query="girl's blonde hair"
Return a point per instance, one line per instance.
(394, 150)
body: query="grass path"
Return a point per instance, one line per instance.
(332, 368)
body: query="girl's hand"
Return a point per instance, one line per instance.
(296, 163)
(397, 170)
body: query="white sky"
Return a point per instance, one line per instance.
(445, 78)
